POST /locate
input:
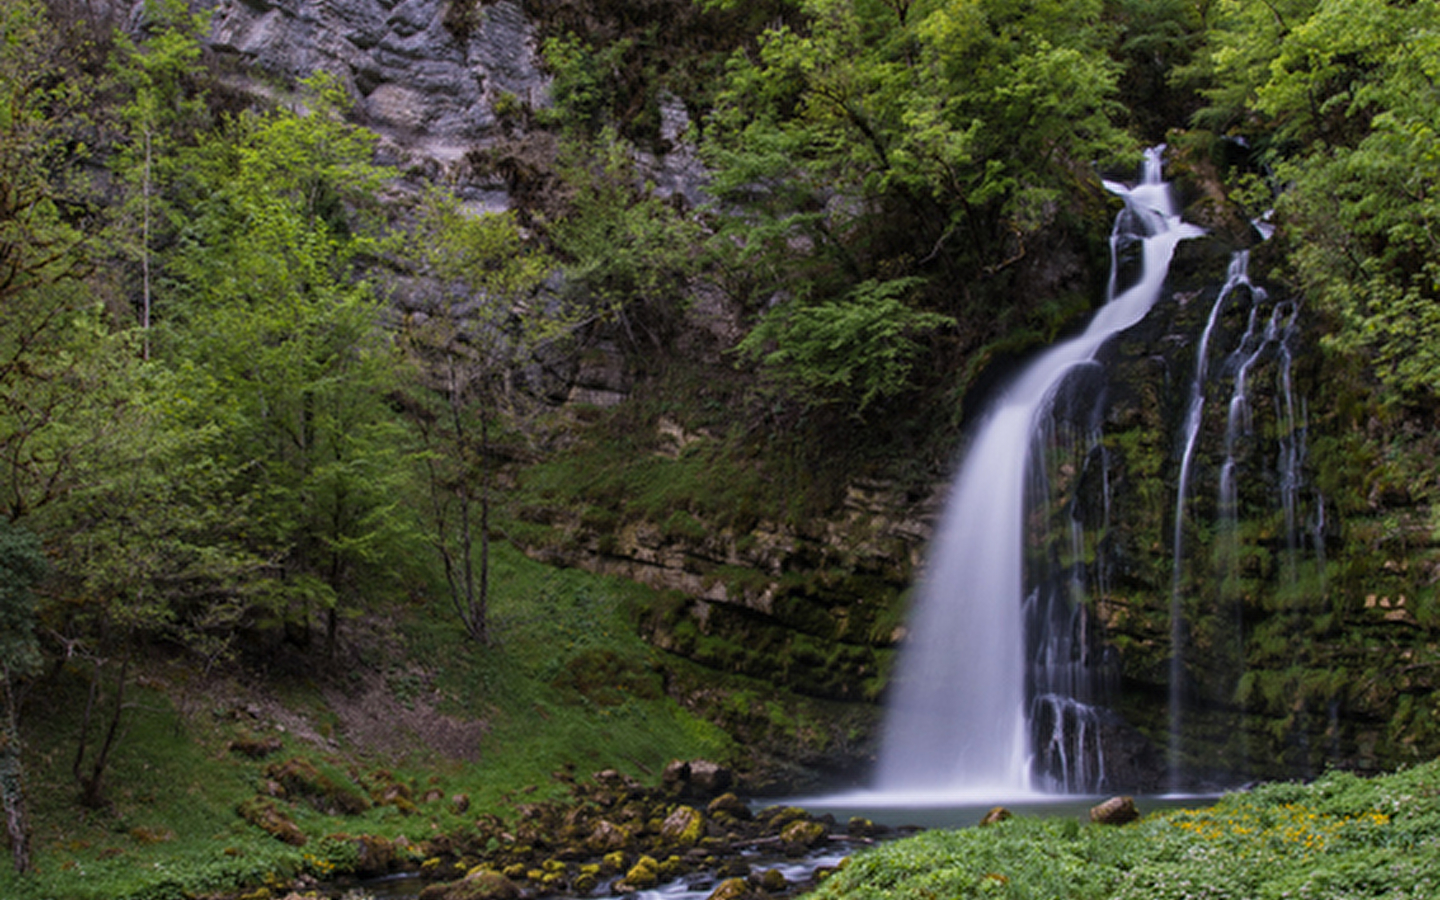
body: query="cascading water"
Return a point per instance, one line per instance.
(1274, 341)
(960, 716)
(1236, 278)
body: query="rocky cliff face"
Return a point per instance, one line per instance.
(428, 75)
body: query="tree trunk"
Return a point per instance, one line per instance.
(92, 791)
(12, 780)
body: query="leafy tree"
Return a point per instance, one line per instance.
(878, 142)
(148, 549)
(469, 344)
(160, 75)
(956, 124)
(282, 345)
(628, 254)
(42, 259)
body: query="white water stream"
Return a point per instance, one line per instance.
(957, 723)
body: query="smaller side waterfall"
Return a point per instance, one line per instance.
(1267, 340)
(1236, 277)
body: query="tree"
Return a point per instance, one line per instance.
(882, 126)
(283, 349)
(22, 566)
(160, 74)
(467, 348)
(878, 142)
(42, 260)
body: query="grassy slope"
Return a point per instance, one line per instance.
(544, 693)
(1341, 837)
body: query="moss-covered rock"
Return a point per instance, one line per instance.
(644, 874)
(684, 827)
(802, 836)
(481, 884)
(265, 814)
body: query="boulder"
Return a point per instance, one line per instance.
(996, 815)
(480, 884)
(697, 779)
(683, 827)
(731, 805)
(801, 836)
(607, 837)
(1115, 811)
(772, 881)
(710, 778)
(734, 889)
(264, 814)
(644, 874)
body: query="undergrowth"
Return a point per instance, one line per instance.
(1340, 837)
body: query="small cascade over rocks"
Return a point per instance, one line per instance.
(992, 660)
(1268, 339)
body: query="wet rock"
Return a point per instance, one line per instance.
(644, 874)
(375, 856)
(735, 889)
(480, 884)
(607, 837)
(730, 805)
(861, 827)
(772, 881)
(683, 827)
(802, 836)
(1115, 811)
(996, 815)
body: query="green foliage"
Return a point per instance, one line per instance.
(624, 246)
(858, 350)
(466, 351)
(22, 565)
(279, 352)
(53, 352)
(1345, 94)
(1342, 836)
(967, 116)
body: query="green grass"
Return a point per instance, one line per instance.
(1341, 837)
(172, 830)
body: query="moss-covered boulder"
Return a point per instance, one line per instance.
(641, 876)
(607, 837)
(683, 827)
(480, 884)
(328, 792)
(802, 836)
(735, 889)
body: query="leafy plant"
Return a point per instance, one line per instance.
(858, 350)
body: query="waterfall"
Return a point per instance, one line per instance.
(1236, 277)
(960, 717)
